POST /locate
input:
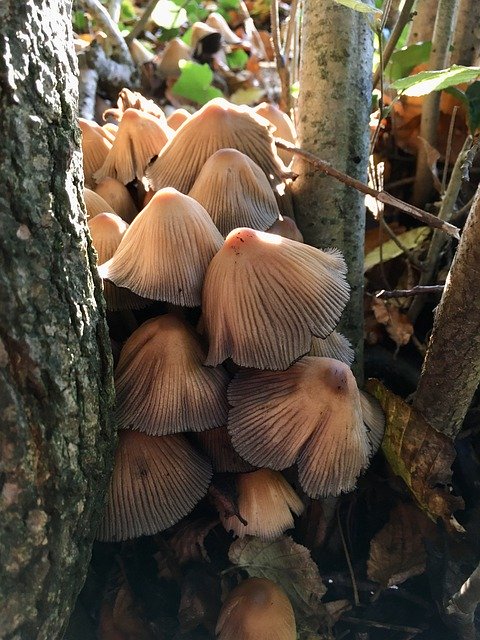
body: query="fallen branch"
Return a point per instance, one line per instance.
(382, 196)
(409, 293)
(112, 76)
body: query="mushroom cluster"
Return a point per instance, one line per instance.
(230, 361)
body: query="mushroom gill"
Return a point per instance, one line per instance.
(118, 197)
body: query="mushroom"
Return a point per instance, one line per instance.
(134, 100)
(334, 346)
(175, 51)
(217, 125)
(283, 127)
(216, 445)
(166, 250)
(177, 118)
(161, 384)
(287, 228)
(95, 204)
(265, 502)
(139, 138)
(374, 418)
(95, 148)
(218, 22)
(258, 609)
(118, 197)
(310, 414)
(155, 483)
(205, 41)
(265, 296)
(235, 192)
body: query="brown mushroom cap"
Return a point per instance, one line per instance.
(218, 22)
(311, 414)
(257, 609)
(166, 250)
(218, 125)
(128, 99)
(265, 501)
(161, 384)
(374, 418)
(264, 296)
(155, 483)
(95, 148)
(235, 192)
(118, 197)
(334, 346)
(287, 228)
(177, 118)
(176, 50)
(284, 127)
(95, 204)
(139, 138)
(216, 445)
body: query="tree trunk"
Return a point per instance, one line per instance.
(422, 24)
(55, 365)
(466, 41)
(333, 114)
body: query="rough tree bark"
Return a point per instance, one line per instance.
(333, 114)
(55, 368)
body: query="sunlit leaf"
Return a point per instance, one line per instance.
(295, 90)
(404, 60)
(237, 59)
(428, 81)
(409, 239)
(194, 83)
(127, 11)
(357, 5)
(249, 96)
(168, 15)
(80, 22)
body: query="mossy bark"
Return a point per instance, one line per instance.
(333, 113)
(55, 367)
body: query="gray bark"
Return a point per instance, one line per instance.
(422, 24)
(466, 42)
(451, 371)
(333, 113)
(55, 365)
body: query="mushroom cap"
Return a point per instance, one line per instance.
(258, 609)
(218, 22)
(166, 250)
(311, 414)
(287, 228)
(177, 118)
(175, 51)
(128, 99)
(161, 384)
(95, 148)
(264, 296)
(334, 346)
(235, 192)
(139, 138)
(118, 197)
(155, 483)
(374, 418)
(95, 204)
(216, 445)
(265, 501)
(217, 125)
(201, 30)
(283, 127)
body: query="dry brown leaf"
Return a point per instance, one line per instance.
(188, 542)
(420, 455)
(124, 620)
(433, 156)
(397, 552)
(397, 324)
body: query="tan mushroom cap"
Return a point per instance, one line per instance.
(176, 50)
(95, 148)
(139, 138)
(258, 609)
(162, 387)
(177, 118)
(216, 445)
(334, 346)
(284, 127)
(95, 204)
(287, 228)
(166, 250)
(311, 414)
(265, 296)
(201, 30)
(374, 418)
(235, 192)
(217, 125)
(155, 483)
(266, 501)
(218, 22)
(118, 197)
(128, 99)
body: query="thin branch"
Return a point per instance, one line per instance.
(142, 23)
(381, 196)
(349, 562)
(106, 23)
(290, 29)
(449, 148)
(282, 68)
(114, 9)
(409, 293)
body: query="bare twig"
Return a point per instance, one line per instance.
(141, 24)
(349, 562)
(408, 252)
(381, 196)
(462, 605)
(104, 21)
(290, 29)
(282, 67)
(114, 9)
(409, 293)
(449, 148)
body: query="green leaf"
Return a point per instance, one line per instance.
(127, 11)
(194, 83)
(357, 5)
(80, 22)
(168, 15)
(410, 239)
(228, 5)
(404, 60)
(428, 81)
(187, 36)
(473, 96)
(237, 59)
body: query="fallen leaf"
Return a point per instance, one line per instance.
(397, 324)
(288, 564)
(200, 599)
(188, 542)
(123, 621)
(433, 156)
(397, 552)
(420, 455)
(410, 240)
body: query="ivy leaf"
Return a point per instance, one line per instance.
(168, 15)
(237, 59)
(428, 81)
(194, 83)
(357, 5)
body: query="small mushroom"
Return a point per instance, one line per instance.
(166, 250)
(177, 118)
(175, 51)
(134, 100)
(218, 22)
(310, 414)
(155, 483)
(334, 346)
(258, 609)
(284, 127)
(140, 137)
(161, 384)
(205, 41)
(266, 502)
(216, 445)
(265, 296)
(118, 197)
(287, 228)
(95, 148)
(235, 192)
(217, 125)
(374, 418)
(95, 204)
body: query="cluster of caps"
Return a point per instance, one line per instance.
(262, 382)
